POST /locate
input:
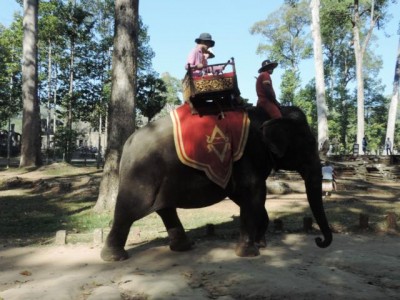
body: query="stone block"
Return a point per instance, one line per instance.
(61, 237)
(98, 236)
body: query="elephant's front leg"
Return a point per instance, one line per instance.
(178, 240)
(253, 222)
(113, 249)
(253, 225)
(246, 246)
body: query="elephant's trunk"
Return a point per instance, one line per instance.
(313, 185)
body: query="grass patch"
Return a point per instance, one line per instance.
(32, 208)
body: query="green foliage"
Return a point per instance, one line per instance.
(10, 71)
(146, 54)
(342, 116)
(305, 99)
(289, 84)
(64, 140)
(173, 87)
(151, 95)
(376, 108)
(286, 38)
(83, 29)
(287, 41)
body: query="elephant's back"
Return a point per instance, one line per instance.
(154, 137)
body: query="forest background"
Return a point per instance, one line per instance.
(248, 31)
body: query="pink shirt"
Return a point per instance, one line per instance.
(196, 57)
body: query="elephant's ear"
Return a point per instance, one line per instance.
(276, 137)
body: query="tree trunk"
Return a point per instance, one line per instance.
(395, 100)
(359, 74)
(55, 113)
(68, 154)
(123, 93)
(359, 51)
(48, 119)
(31, 139)
(322, 110)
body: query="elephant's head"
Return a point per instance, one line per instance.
(294, 147)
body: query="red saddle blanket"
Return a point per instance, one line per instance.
(210, 143)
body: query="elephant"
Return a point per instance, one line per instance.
(152, 179)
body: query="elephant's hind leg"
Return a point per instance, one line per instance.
(176, 233)
(262, 227)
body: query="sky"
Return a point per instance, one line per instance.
(173, 26)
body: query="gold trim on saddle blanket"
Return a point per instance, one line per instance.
(208, 143)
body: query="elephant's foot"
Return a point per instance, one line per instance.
(246, 250)
(113, 254)
(178, 240)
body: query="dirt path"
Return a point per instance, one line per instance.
(292, 267)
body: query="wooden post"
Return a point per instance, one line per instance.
(307, 224)
(391, 221)
(278, 225)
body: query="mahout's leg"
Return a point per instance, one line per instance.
(178, 240)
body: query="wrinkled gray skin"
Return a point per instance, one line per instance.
(152, 179)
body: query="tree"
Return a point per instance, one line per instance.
(339, 68)
(375, 112)
(10, 71)
(30, 140)
(376, 12)
(78, 26)
(304, 100)
(287, 40)
(50, 26)
(123, 97)
(151, 95)
(322, 109)
(391, 123)
(289, 84)
(174, 86)
(289, 44)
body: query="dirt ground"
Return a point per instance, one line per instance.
(361, 265)
(291, 267)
